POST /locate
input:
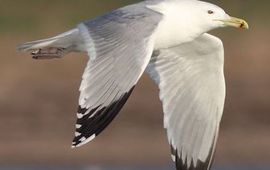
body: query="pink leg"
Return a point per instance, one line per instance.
(49, 53)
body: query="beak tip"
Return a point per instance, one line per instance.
(236, 22)
(244, 25)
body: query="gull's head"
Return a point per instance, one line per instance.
(212, 17)
(194, 13)
(185, 20)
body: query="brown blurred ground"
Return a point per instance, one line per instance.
(38, 99)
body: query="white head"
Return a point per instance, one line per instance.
(198, 14)
(190, 18)
(210, 16)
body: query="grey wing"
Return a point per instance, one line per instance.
(120, 46)
(192, 89)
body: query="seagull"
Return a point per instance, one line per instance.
(168, 39)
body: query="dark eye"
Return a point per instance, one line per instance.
(210, 12)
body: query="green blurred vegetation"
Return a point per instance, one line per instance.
(28, 16)
(32, 16)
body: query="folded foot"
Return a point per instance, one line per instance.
(49, 53)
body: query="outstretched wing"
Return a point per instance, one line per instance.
(120, 46)
(192, 89)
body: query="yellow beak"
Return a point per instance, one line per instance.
(236, 22)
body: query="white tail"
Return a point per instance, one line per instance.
(54, 47)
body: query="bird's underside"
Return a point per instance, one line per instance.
(121, 47)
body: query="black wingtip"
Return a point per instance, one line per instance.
(91, 123)
(182, 165)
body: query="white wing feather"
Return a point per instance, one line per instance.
(120, 45)
(192, 89)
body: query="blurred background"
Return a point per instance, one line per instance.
(38, 99)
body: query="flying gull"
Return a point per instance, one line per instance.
(168, 39)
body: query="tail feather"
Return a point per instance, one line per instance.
(63, 40)
(34, 45)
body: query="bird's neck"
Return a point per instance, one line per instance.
(176, 27)
(171, 33)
